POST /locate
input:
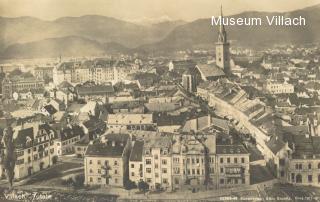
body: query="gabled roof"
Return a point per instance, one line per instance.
(50, 109)
(137, 151)
(275, 144)
(93, 90)
(113, 147)
(210, 71)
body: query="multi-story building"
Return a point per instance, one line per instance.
(188, 162)
(232, 166)
(189, 81)
(194, 162)
(43, 72)
(130, 122)
(67, 138)
(18, 84)
(106, 162)
(135, 162)
(97, 71)
(279, 88)
(34, 148)
(156, 161)
(297, 157)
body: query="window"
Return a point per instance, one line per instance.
(292, 177)
(90, 162)
(91, 171)
(91, 180)
(156, 175)
(164, 170)
(309, 166)
(115, 163)
(165, 180)
(242, 160)
(243, 180)
(221, 170)
(211, 170)
(319, 178)
(192, 161)
(309, 178)
(116, 180)
(193, 171)
(221, 160)
(99, 179)
(115, 171)
(176, 180)
(149, 180)
(228, 160)
(221, 181)
(148, 170)
(132, 174)
(235, 160)
(99, 162)
(156, 165)
(99, 171)
(148, 161)
(198, 172)
(318, 165)
(282, 173)
(132, 165)
(164, 161)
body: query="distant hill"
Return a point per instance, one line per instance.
(200, 33)
(68, 46)
(99, 28)
(92, 34)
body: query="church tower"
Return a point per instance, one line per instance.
(222, 49)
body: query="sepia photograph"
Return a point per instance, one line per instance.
(159, 100)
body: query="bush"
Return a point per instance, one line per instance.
(54, 159)
(78, 181)
(129, 185)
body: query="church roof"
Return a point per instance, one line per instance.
(209, 71)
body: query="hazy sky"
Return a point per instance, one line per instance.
(138, 9)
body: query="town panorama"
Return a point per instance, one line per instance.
(225, 123)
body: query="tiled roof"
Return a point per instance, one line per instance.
(50, 109)
(137, 150)
(231, 149)
(210, 70)
(275, 144)
(93, 90)
(130, 119)
(113, 147)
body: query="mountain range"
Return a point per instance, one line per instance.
(28, 37)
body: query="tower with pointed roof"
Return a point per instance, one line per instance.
(222, 48)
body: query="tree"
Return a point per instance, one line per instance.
(54, 159)
(128, 184)
(78, 181)
(143, 186)
(9, 156)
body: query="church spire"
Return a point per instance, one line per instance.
(222, 32)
